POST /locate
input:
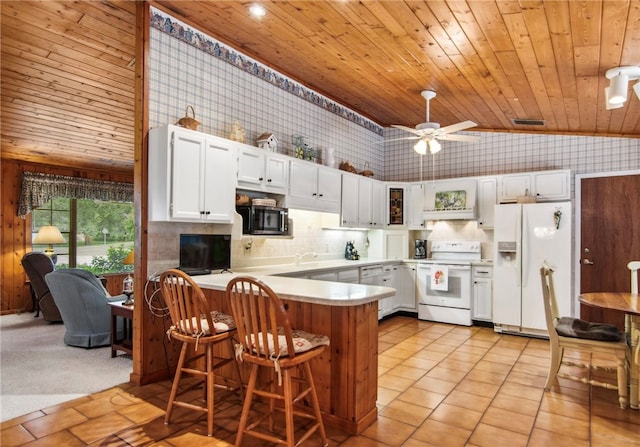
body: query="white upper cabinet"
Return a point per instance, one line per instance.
(544, 185)
(350, 198)
(313, 187)
(259, 170)
(191, 176)
(487, 198)
(415, 210)
(363, 200)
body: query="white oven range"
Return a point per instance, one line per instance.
(444, 282)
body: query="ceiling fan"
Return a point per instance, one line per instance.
(428, 133)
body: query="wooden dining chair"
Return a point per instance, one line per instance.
(267, 341)
(197, 327)
(579, 335)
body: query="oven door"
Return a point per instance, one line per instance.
(458, 293)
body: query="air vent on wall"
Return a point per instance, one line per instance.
(527, 122)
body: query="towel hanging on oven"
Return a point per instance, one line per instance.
(439, 277)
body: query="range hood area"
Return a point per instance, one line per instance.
(450, 200)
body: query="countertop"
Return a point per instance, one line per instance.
(313, 291)
(327, 293)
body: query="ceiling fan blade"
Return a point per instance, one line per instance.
(408, 129)
(455, 127)
(398, 139)
(457, 137)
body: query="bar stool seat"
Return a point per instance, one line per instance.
(197, 327)
(267, 341)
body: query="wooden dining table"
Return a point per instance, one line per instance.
(629, 303)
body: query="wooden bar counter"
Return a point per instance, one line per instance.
(346, 375)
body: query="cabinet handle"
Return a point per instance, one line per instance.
(202, 213)
(261, 178)
(268, 180)
(320, 195)
(207, 212)
(314, 194)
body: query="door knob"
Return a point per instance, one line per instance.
(587, 262)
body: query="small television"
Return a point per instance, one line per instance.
(202, 253)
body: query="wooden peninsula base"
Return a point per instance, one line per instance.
(346, 375)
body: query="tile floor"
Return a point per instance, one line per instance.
(439, 385)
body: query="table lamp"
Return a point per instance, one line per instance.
(49, 234)
(127, 283)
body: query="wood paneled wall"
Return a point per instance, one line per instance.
(15, 238)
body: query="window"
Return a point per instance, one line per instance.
(98, 234)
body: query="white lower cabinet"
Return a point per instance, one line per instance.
(482, 290)
(191, 176)
(404, 281)
(324, 276)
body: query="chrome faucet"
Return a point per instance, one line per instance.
(309, 253)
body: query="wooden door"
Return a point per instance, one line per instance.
(609, 233)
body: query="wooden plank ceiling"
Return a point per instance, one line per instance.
(68, 67)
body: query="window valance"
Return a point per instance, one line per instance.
(38, 188)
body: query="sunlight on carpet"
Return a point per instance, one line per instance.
(38, 370)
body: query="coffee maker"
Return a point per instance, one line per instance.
(421, 249)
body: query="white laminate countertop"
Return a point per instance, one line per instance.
(326, 293)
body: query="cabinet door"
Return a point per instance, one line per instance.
(365, 210)
(486, 201)
(251, 168)
(552, 185)
(188, 166)
(324, 276)
(349, 207)
(219, 182)
(482, 293)
(512, 186)
(277, 172)
(482, 298)
(329, 189)
(395, 206)
(405, 284)
(303, 182)
(378, 193)
(415, 221)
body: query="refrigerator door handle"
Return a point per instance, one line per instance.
(525, 245)
(519, 249)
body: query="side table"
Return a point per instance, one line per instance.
(124, 343)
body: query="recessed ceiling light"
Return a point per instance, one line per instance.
(257, 11)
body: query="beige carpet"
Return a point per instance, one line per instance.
(37, 370)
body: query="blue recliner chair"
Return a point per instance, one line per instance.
(82, 301)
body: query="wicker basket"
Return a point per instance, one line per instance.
(189, 122)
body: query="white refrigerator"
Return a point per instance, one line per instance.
(525, 237)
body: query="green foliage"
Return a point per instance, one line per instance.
(110, 263)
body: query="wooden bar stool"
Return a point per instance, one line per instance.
(268, 341)
(195, 325)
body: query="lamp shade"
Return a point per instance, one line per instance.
(434, 146)
(420, 147)
(49, 234)
(618, 89)
(129, 259)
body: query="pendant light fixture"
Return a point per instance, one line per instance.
(617, 91)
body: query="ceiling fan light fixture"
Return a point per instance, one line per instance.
(420, 147)
(434, 146)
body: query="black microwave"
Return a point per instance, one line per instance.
(267, 220)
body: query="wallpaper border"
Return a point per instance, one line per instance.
(178, 30)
